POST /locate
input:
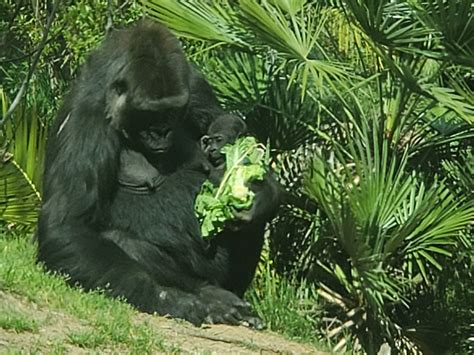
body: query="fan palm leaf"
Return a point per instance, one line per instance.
(210, 21)
(392, 226)
(21, 166)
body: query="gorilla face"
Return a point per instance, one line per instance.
(224, 130)
(212, 144)
(154, 132)
(148, 92)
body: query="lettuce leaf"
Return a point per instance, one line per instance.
(246, 161)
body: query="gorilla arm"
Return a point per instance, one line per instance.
(243, 237)
(188, 295)
(80, 178)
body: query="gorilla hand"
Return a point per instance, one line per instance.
(265, 205)
(225, 307)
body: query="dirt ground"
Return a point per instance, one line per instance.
(213, 339)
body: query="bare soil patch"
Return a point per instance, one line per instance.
(54, 328)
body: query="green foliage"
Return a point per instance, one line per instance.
(394, 230)
(368, 108)
(104, 322)
(286, 306)
(214, 206)
(77, 28)
(21, 166)
(14, 320)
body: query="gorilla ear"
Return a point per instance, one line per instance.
(243, 128)
(114, 110)
(204, 142)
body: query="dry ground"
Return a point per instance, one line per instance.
(179, 336)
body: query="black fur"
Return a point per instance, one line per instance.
(145, 247)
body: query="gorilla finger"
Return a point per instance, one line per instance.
(192, 318)
(243, 215)
(236, 315)
(209, 319)
(215, 319)
(253, 322)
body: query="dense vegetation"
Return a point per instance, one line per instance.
(368, 110)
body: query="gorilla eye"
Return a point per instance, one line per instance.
(120, 87)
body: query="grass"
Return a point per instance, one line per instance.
(105, 324)
(286, 308)
(16, 321)
(108, 322)
(87, 339)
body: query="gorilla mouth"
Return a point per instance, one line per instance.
(159, 150)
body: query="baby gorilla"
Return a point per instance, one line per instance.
(137, 174)
(224, 130)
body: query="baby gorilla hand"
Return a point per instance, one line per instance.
(226, 308)
(243, 218)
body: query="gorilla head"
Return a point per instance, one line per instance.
(224, 130)
(147, 86)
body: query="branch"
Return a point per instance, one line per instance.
(110, 13)
(36, 58)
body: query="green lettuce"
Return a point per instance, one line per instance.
(245, 162)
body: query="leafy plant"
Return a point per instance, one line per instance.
(21, 166)
(368, 108)
(392, 228)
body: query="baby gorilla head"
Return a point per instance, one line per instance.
(224, 130)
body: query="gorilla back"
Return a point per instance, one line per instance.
(137, 92)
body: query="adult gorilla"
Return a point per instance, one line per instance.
(137, 97)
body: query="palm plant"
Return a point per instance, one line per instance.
(24, 140)
(393, 227)
(367, 106)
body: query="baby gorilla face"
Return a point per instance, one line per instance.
(212, 144)
(224, 130)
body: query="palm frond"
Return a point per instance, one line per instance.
(462, 172)
(197, 20)
(22, 166)
(19, 199)
(296, 39)
(389, 23)
(25, 136)
(281, 118)
(454, 20)
(240, 79)
(390, 224)
(448, 98)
